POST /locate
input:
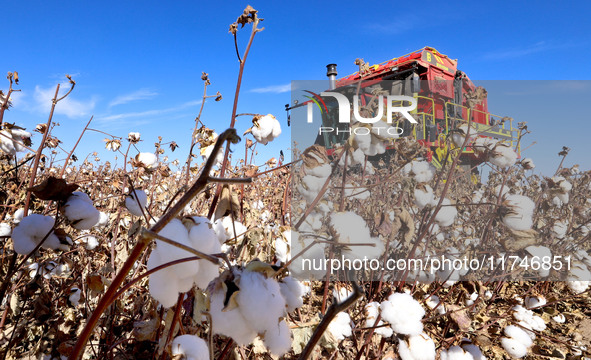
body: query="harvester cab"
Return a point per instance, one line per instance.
(442, 94)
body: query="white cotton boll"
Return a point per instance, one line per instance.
(75, 296)
(578, 278)
(5, 229)
(519, 212)
(340, 326)
(131, 202)
(528, 164)
(204, 239)
(321, 171)
(403, 313)
(315, 254)
(372, 310)
(503, 155)
(229, 227)
(356, 192)
(540, 252)
(474, 351)
(80, 211)
(266, 129)
(278, 339)
(341, 293)
(259, 295)
(293, 292)
(528, 319)
(90, 242)
(514, 348)
(563, 197)
(517, 341)
(501, 190)
(103, 220)
(18, 215)
(147, 159)
(190, 347)
(421, 170)
(446, 214)
(535, 301)
(350, 228)
(477, 196)
(559, 229)
(229, 323)
(417, 347)
(423, 196)
(282, 250)
(433, 302)
(175, 230)
(6, 143)
(458, 137)
(163, 284)
(206, 153)
(31, 230)
(133, 136)
(559, 318)
(455, 353)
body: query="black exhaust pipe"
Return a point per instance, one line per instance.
(331, 72)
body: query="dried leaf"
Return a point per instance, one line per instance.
(53, 189)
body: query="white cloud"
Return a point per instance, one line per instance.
(141, 94)
(147, 113)
(276, 89)
(541, 46)
(69, 106)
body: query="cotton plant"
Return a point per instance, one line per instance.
(341, 326)
(189, 347)
(422, 171)
(206, 153)
(516, 341)
(455, 353)
(246, 302)
(265, 128)
(403, 313)
(459, 135)
(417, 347)
(517, 212)
(316, 170)
(167, 283)
(31, 230)
(560, 188)
(80, 211)
(447, 213)
(230, 230)
(528, 319)
(136, 202)
(423, 196)
(528, 164)
(146, 160)
(315, 253)
(502, 155)
(372, 138)
(433, 302)
(349, 229)
(372, 311)
(13, 138)
(578, 278)
(5, 229)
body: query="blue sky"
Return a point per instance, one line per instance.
(138, 67)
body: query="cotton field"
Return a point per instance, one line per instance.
(206, 257)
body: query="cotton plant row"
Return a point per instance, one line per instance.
(520, 213)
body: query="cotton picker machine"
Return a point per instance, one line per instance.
(442, 96)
